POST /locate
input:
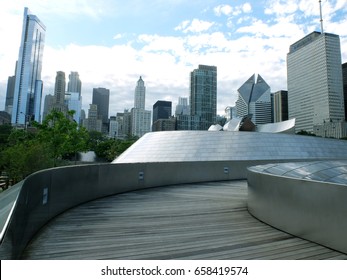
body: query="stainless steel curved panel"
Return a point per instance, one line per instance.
(312, 210)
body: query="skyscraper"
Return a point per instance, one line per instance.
(140, 118)
(93, 122)
(182, 108)
(101, 98)
(254, 99)
(73, 96)
(280, 106)
(161, 116)
(203, 95)
(59, 89)
(75, 84)
(161, 110)
(344, 78)
(9, 94)
(140, 94)
(315, 92)
(28, 85)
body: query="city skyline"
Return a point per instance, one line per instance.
(110, 44)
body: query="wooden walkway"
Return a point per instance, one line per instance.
(198, 221)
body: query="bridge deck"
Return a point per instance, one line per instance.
(197, 221)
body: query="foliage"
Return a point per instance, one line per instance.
(109, 149)
(307, 133)
(5, 131)
(23, 155)
(45, 145)
(27, 151)
(62, 136)
(95, 138)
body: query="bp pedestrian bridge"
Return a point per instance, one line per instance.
(187, 195)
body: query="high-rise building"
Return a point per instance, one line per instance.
(162, 110)
(9, 94)
(161, 114)
(315, 90)
(73, 96)
(140, 94)
(59, 93)
(47, 105)
(101, 98)
(344, 79)
(113, 130)
(74, 84)
(140, 118)
(140, 122)
(182, 108)
(93, 122)
(254, 99)
(203, 95)
(126, 123)
(74, 103)
(28, 85)
(280, 106)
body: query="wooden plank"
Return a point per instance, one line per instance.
(193, 221)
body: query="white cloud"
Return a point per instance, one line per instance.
(118, 36)
(195, 26)
(247, 8)
(255, 45)
(228, 10)
(282, 8)
(223, 10)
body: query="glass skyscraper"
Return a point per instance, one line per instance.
(74, 97)
(75, 84)
(254, 99)
(28, 85)
(101, 98)
(315, 89)
(203, 95)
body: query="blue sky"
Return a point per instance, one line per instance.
(112, 42)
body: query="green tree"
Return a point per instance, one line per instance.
(62, 135)
(5, 131)
(23, 155)
(95, 137)
(109, 149)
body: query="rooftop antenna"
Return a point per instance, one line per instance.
(321, 17)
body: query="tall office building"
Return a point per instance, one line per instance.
(182, 108)
(93, 122)
(140, 118)
(140, 94)
(162, 110)
(73, 96)
(113, 130)
(47, 105)
(254, 99)
(203, 95)
(344, 78)
(10, 94)
(101, 98)
(280, 106)
(28, 85)
(74, 84)
(315, 90)
(74, 103)
(162, 116)
(59, 94)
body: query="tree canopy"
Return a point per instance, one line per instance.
(55, 142)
